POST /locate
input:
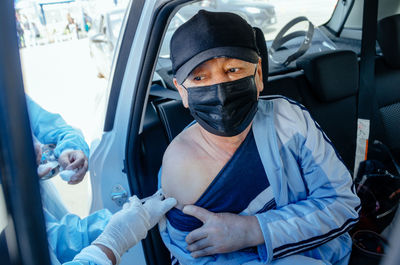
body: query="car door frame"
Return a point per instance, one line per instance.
(159, 24)
(26, 232)
(130, 80)
(107, 161)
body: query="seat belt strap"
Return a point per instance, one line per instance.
(366, 80)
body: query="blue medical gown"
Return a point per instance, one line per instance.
(67, 233)
(68, 236)
(50, 128)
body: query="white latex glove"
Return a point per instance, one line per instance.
(157, 207)
(130, 225)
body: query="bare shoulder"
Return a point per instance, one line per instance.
(181, 170)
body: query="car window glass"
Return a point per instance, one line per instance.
(385, 9)
(268, 15)
(67, 49)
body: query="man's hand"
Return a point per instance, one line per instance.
(221, 232)
(74, 160)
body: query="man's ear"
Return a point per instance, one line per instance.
(259, 77)
(182, 92)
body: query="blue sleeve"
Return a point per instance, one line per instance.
(91, 255)
(80, 262)
(68, 236)
(329, 205)
(50, 128)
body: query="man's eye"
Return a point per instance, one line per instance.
(233, 70)
(197, 78)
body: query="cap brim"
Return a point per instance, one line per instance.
(240, 53)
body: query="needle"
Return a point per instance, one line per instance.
(159, 193)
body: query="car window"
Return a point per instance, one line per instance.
(270, 16)
(116, 22)
(385, 9)
(67, 49)
(318, 12)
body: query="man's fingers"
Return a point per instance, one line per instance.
(203, 252)
(76, 164)
(78, 177)
(63, 160)
(80, 174)
(195, 235)
(198, 212)
(199, 245)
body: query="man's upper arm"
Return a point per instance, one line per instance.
(179, 178)
(330, 207)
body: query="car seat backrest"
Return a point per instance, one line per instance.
(388, 36)
(387, 81)
(174, 116)
(333, 75)
(329, 91)
(286, 85)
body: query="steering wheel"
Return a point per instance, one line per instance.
(282, 38)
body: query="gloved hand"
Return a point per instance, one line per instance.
(130, 225)
(157, 207)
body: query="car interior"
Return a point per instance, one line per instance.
(325, 82)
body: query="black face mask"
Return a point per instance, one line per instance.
(224, 109)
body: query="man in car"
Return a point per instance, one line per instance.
(256, 180)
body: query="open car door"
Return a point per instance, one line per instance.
(116, 161)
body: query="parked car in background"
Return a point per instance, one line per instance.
(258, 13)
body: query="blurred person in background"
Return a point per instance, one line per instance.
(20, 31)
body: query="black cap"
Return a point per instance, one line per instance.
(210, 35)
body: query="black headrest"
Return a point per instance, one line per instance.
(388, 36)
(174, 116)
(333, 74)
(262, 48)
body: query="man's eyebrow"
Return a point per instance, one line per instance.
(236, 61)
(197, 70)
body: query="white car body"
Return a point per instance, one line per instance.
(106, 159)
